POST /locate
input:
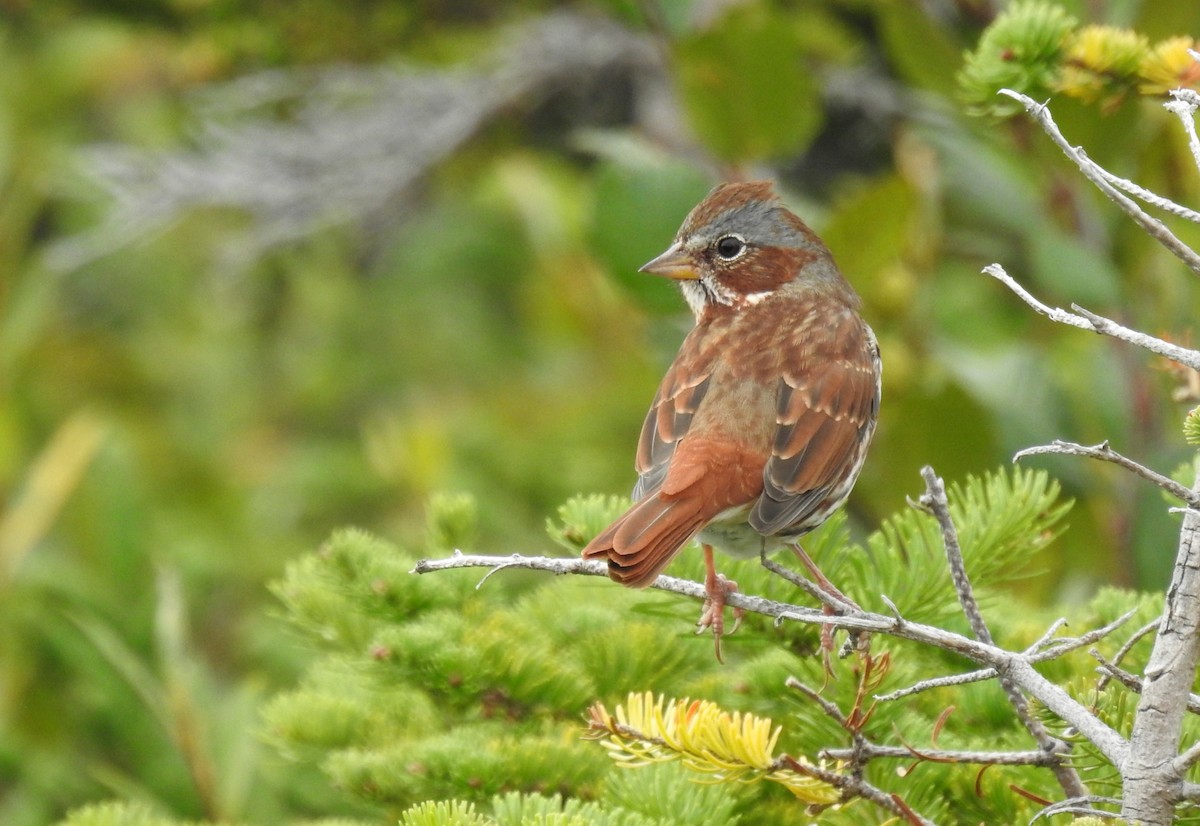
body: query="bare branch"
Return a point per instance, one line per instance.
(1105, 453)
(1152, 785)
(872, 751)
(808, 586)
(856, 787)
(1153, 227)
(830, 708)
(1079, 806)
(1124, 650)
(979, 675)
(1098, 324)
(1153, 199)
(935, 500)
(1017, 666)
(1050, 649)
(1188, 758)
(1134, 682)
(1183, 105)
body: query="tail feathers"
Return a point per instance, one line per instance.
(643, 541)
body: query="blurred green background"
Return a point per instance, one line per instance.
(272, 268)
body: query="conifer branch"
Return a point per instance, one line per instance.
(706, 739)
(1097, 324)
(1151, 226)
(1105, 453)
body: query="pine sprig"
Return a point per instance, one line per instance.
(1004, 519)
(1034, 48)
(1022, 49)
(1191, 427)
(444, 813)
(705, 738)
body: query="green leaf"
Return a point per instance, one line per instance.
(639, 205)
(746, 88)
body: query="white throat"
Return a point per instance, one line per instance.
(703, 293)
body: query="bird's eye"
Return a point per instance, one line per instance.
(730, 247)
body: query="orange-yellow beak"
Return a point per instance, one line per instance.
(674, 263)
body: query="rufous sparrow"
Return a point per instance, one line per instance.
(762, 422)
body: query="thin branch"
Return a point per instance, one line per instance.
(1098, 324)
(1124, 650)
(1153, 227)
(1188, 758)
(855, 786)
(830, 708)
(1058, 647)
(1106, 454)
(979, 675)
(1079, 806)
(1184, 105)
(935, 500)
(1014, 665)
(1054, 650)
(1134, 682)
(1047, 636)
(872, 751)
(808, 586)
(1152, 198)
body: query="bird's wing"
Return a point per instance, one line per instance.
(678, 397)
(825, 418)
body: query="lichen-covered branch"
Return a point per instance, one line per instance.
(1152, 226)
(1105, 453)
(1085, 320)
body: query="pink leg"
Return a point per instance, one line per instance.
(832, 590)
(716, 588)
(822, 581)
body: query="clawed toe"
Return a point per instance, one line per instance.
(712, 615)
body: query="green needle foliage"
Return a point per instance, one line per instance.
(433, 701)
(1035, 47)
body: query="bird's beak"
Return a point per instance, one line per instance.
(674, 263)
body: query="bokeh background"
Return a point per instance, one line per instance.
(272, 268)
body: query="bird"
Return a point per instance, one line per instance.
(761, 425)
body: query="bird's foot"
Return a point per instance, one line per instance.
(717, 589)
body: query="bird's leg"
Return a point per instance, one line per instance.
(823, 581)
(837, 604)
(716, 589)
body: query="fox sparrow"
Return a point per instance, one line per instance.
(761, 424)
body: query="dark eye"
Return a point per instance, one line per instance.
(730, 247)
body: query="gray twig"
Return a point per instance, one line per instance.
(1105, 453)
(1091, 322)
(1045, 648)
(1017, 666)
(1124, 650)
(935, 500)
(872, 751)
(1153, 227)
